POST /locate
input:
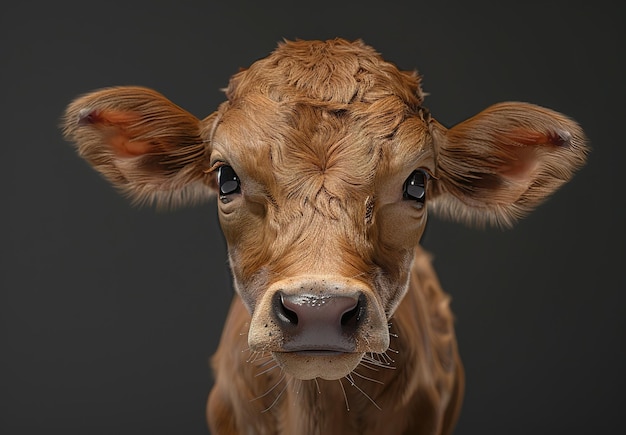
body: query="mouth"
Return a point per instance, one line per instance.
(318, 363)
(318, 352)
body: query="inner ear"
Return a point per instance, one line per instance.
(521, 167)
(114, 125)
(125, 147)
(523, 148)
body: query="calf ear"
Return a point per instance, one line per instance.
(145, 145)
(500, 164)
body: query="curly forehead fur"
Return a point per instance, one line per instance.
(330, 73)
(317, 100)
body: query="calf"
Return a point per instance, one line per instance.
(325, 164)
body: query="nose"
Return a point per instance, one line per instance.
(319, 323)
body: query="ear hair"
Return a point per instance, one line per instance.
(499, 165)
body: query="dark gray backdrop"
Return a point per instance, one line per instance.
(110, 313)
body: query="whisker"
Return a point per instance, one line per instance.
(379, 357)
(297, 384)
(367, 378)
(261, 364)
(368, 365)
(349, 378)
(247, 325)
(386, 359)
(376, 361)
(282, 378)
(372, 360)
(345, 396)
(267, 370)
(277, 397)
(253, 356)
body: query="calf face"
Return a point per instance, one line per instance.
(325, 164)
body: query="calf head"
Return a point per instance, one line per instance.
(325, 163)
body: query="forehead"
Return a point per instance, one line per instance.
(329, 113)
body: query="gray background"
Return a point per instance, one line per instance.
(109, 313)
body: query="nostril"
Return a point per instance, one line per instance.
(352, 317)
(284, 313)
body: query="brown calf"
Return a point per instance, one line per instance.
(325, 163)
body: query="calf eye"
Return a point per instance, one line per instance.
(415, 187)
(228, 181)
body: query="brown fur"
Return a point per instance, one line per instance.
(322, 135)
(416, 385)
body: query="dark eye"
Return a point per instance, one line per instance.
(228, 181)
(415, 187)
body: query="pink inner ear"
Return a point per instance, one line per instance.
(527, 137)
(525, 146)
(118, 138)
(107, 117)
(125, 147)
(522, 167)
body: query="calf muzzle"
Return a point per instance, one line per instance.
(319, 326)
